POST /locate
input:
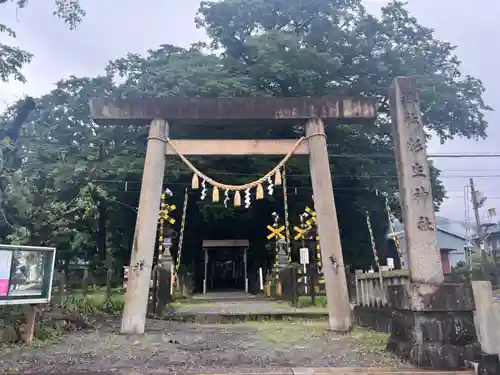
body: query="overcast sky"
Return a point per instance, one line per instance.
(111, 29)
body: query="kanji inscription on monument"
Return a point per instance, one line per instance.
(416, 145)
(418, 170)
(420, 192)
(415, 184)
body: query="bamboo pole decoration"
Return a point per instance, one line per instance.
(181, 234)
(276, 245)
(161, 226)
(372, 240)
(375, 255)
(285, 204)
(393, 231)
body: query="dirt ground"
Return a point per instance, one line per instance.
(172, 346)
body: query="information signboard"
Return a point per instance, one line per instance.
(26, 274)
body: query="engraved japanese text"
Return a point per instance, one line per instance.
(420, 192)
(415, 145)
(408, 97)
(417, 170)
(425, 224)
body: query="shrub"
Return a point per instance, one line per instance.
(79, 303)
(113, 306)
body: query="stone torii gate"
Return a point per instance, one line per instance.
(425, 294)
(163, 114)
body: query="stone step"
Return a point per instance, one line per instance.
(223, 297)
(230, 318)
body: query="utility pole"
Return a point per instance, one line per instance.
(480, 232)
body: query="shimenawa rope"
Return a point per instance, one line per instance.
(250, 185)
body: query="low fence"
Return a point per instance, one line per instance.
(371, 287)
(371, 298)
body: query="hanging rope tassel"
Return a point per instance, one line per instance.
(237, 199)
(260, 192)
(215, 194)
(195, 182)
(277, 177)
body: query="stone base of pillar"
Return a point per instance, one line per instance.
(488, 364)
(433, 326)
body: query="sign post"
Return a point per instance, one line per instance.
(26, 274)
(261, 279)
(304, 260)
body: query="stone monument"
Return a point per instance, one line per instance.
(433, 324)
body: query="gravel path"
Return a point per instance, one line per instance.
(172, 346)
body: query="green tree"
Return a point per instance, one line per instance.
(321, 47)
(73, 172)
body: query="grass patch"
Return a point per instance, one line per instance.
(92, 303)
(369, 341)
(306, 302)
(287, 334)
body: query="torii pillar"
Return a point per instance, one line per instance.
(141, 258)
(337, 294)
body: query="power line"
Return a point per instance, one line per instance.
(334, 176)
(366, 175)
(291, 188)
(343, 155)
(390, 156)
(128, 182)
(291, 191)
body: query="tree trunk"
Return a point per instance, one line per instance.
(101, 234)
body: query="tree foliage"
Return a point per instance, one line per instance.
(78, 182)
